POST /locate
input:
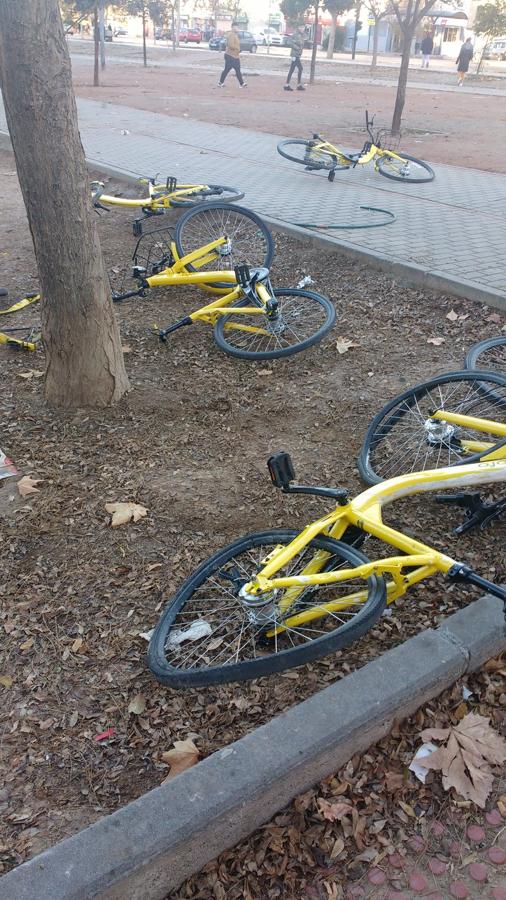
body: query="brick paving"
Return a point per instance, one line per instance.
(453, 228)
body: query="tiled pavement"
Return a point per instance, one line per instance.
(453, 228)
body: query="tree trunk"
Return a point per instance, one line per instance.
(101, 32)
(96, 70)
(315, 46)
(332, 36)
(173, 28)
(84, 359)
(374, 61)
(355, 32)
(403, 77)
(144, 51)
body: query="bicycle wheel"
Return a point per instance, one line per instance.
(404, 437)
(249, 239)
(304, 318)
(488, 356)
(208, 634)
(304, 152)
(408, 168)
(210, 192)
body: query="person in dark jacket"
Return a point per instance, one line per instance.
(297, 46)
(427, 46)
(463, 59)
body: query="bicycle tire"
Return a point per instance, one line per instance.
(328, 315)
(388, 160)
(211, 193)
(483, 394)
(488, 355)
(250, 241)
(303, 157)
(177, 677)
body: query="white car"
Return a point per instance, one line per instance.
(269, 36)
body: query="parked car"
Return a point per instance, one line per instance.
(269, 36)
(163, 34)
(247, 39)
(190, 36)
(121, 32)
(496, 50)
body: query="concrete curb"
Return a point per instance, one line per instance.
(150, 846)
(410, 274)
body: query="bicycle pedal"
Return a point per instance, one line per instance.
(243, 275)
(171, 184)
(281, 469)
(137, 227)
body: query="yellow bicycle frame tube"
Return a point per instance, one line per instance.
(153, 202)
(365, 513)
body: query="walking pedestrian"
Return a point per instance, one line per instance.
(232, 61)
(463, 59)
(427, 46)
(297, 46)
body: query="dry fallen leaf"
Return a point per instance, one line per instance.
(184, 755)
(334, 810)
(452, 315)
(471, 748)
(137, 705)
(6, 681)
(343, 344)
(26, 485)
(127, 348)
(125, 512)
(32, 373)
(437, 341)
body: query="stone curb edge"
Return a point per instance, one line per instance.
(411, 274)
(150, 846)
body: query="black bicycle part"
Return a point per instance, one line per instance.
(282, 474)
(325, 636)
(162, 334)
(478, 513)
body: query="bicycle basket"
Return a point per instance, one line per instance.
(387, 140)
(152, 254)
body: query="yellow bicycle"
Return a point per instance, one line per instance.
(318, 153)
(251, 320)
(451, 420)
(278, 599)
(164, 196)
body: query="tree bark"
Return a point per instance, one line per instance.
(101, 32)
(355, 32)
(84, 359)
(374, 61)
(403, 78)
(332, 36)
(312, 68)
(96, 70)
(144, 50)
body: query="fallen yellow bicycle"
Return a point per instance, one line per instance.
(318, 153)
(281, 598)
(251, 319)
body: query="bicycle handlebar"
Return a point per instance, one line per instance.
(116, 298)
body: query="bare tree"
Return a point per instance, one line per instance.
(408, 14)
(84, 359)
(335, 8)
(377, 10)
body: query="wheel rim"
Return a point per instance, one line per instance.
(309, 156)
(407, 439)
(492, 358)
(215, 628)
(247, 243)
(299, 319)
(404, 169)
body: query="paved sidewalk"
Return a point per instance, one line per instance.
(449, 234)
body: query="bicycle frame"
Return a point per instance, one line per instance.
(178, 274)
(477, 424)
(366, 155)
(159, 196)
(365, 513)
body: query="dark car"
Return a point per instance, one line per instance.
(247, 39)
(121, 32)
(163, 34)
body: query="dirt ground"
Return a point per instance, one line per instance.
(457, 128)
(190, 443)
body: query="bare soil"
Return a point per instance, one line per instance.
(190, 443)
(458, 128)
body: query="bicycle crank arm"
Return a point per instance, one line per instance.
(162, 334)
